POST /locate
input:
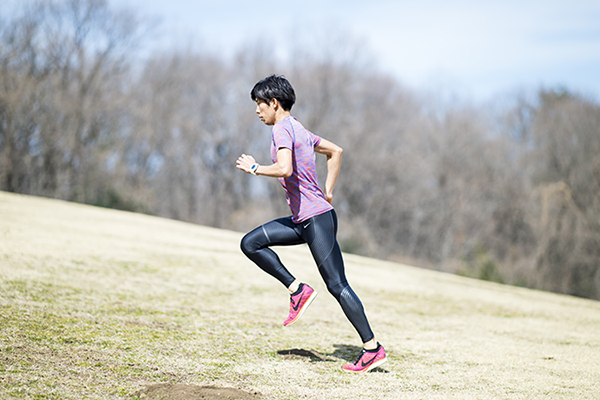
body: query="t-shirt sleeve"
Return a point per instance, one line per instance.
(316, 140)
(282, 137)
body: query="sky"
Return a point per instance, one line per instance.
(478, 49)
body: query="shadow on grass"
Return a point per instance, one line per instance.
(344, 352)
(302, 354)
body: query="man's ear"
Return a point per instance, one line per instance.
(274, 104)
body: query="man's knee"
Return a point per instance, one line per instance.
(337, 289)
(248, 244)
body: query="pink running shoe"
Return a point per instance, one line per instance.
(367, 360)
(299, 302)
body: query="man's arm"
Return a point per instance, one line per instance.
(281, 169)
(334, 164)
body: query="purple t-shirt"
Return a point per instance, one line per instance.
(302, 191)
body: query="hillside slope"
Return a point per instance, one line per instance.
(98, 303)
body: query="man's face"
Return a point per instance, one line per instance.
(266, 112)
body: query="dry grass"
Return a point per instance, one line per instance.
(98, 303)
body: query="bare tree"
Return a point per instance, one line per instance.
(567, 172)
(62, 70)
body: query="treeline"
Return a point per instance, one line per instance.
(508, 191)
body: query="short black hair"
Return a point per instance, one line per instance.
(274, 87)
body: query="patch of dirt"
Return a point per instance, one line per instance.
(169, 391)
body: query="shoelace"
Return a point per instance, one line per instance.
(292, 303)
(362, 353)
(292, 298)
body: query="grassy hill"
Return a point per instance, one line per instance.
(98, 304)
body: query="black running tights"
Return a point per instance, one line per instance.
(319, 233)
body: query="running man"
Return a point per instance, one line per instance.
(313, 220)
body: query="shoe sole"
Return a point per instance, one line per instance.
(312, 297)
(372, 366)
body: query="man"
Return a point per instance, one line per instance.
(313, 220)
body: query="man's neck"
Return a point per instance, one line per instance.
(281, 115)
